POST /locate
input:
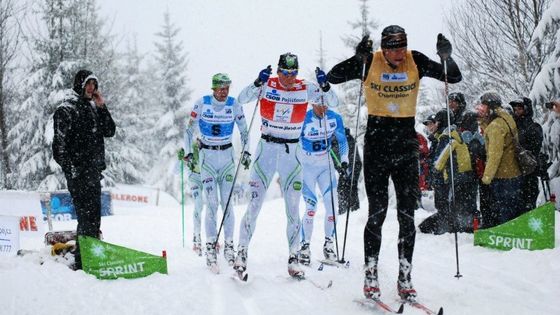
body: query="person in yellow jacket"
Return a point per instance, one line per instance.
(462, 179)
(501, 172)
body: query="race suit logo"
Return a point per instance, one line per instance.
(297, 186)
(394, 77)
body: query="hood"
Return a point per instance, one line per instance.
(81, 79)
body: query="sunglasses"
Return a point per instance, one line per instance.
(288, 72)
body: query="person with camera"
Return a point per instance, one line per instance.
(80, 125)
(530, 136)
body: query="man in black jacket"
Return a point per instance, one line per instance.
(530, 136)
(80, 124)
(391, 78)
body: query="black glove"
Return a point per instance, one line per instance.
(246, 159)
(189, 160)
(365, 47)
(343, 170)
(443, 47)
(263, 76)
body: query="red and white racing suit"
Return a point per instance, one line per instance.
(283, 111)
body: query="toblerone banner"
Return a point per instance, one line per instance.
(533, 230)
(108, 261)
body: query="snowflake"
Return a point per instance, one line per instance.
(98, 251)
(536, 225)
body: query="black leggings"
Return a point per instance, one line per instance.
(396, 158)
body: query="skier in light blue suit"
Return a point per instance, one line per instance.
(215, 116)
(319, 127)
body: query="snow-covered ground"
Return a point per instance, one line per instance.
(493, 282)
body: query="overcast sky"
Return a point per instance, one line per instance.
(242, 37)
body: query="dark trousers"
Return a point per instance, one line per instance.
(86, 197)
(529, 192)
(505, 198)
(404, 173)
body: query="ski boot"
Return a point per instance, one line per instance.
(305, 254)
(371, 284)
(211, 257)
(404, 283)
(197, 244)
(229, 252)
(240, 264)
(294, 269)
(328, 249)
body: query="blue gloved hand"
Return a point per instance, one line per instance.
(322, 79)
(263, 76)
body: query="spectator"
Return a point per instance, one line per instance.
(530, 137)
(80, 125)
(501, 173)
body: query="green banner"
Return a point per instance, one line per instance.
(532, 231)
(108, 261)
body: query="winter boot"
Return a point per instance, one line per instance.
(240, 264)
(197, 244)
(305, 254)
(371, 284)
(211, 256)
(404, 284)
(293, 267)
(328, 249)
(229, 252)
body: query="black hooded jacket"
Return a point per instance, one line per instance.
(529, 132)
(79, 128)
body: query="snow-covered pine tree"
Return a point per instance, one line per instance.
(10, 42)
(74, 40)
(492, 44)
(128, 151)
(351, 89)
(547, 83)
(174, 94)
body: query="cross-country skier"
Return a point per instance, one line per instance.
(391, 80)
(319, 127)
(215, 116)
(283, 104)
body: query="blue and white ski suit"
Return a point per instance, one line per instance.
(215, 121)
(318, 168)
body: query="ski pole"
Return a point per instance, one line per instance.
(451, 201)
(354, 157)
(335, 158)
(183, 198)
(237, 169)
(327, 145)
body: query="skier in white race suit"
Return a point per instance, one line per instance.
(283, 104)
(319, 127)
(215, 115)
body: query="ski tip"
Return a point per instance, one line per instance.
(440, 312)
(401, 309)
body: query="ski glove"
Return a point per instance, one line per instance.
(181, 154)
(246, 159)
(365, 47)
(263, 76)
(443, 46)
(322, 79)
(191, 163)
(343, 170)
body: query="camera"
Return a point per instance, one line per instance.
(549, 105)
